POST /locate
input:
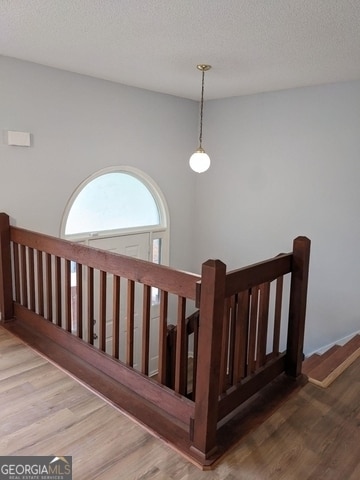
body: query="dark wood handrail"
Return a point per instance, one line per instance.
(258, 273)
(159, 276)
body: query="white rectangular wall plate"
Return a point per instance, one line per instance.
(19, 139)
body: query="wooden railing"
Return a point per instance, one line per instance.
(235, 312)
(234, 323)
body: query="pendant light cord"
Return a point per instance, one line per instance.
(201, 108)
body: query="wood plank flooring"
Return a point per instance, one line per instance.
(315, 434)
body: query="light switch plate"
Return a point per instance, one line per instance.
(19, 139)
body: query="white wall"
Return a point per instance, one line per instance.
(80, 125)
(286, 164)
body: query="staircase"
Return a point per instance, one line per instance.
(323, 369)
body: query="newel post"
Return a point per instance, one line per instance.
(297, 306)
(6, 304)
(212, 298)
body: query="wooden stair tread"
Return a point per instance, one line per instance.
(332, 363)
(312, 362)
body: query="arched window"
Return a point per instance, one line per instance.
(118, 201)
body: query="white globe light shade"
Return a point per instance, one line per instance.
(199, 161)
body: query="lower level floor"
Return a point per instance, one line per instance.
(43, 411)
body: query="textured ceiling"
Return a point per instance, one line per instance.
(253, 45)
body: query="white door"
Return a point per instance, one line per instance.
(136, 246)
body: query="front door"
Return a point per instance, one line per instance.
(136, 246)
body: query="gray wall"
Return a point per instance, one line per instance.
(283, 164)
(80, 125)
(286, 164)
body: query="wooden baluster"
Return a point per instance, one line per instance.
(224, 348)
(49, 292)
(253, 330)
(58, 306)
(79, 300)
(181, 361)
(297, 307)
(23, 276)
(242, 335)
(16, 273)
(130, 309)
(277, 315)
(195, 360)
(116, 317)
(212, 299)
(186, 355)
(162, 337)
(238, 364)
(68, 295)
(102, 312)
(170, 356)
(232, 338)
(31, 279)
(40, 282)
(263, 324)
(90, 304)
(145, 350)
(6, 301)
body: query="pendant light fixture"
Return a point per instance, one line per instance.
(200, 161)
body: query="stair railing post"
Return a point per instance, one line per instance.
(297, 306)
(6, 303)
(212, 299)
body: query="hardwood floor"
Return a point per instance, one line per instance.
(43, 411)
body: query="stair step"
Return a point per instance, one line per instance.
(316, 359)
(332, 363)
(310, 363)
